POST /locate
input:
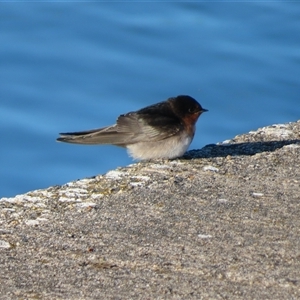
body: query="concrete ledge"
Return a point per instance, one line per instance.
(220, 223)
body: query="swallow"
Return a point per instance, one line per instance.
(162, 130)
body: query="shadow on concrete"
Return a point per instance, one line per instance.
(248, 148)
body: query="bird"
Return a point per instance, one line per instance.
(159, 131)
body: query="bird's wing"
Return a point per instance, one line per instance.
(146, 128)
(152, 123)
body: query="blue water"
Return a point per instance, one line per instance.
(68, 66)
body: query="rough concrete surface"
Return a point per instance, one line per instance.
(222, 222)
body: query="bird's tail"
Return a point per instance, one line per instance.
(105, 135)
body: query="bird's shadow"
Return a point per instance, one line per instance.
(247, 148)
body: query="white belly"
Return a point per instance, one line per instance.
(168, 148)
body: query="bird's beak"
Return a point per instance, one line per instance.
(204, 110)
